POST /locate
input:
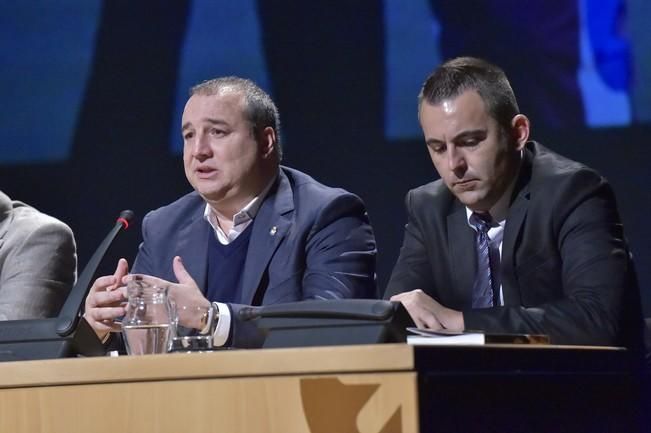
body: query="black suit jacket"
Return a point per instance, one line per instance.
(565, 265)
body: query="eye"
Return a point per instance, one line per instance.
(217, 132)
(188, 135)
(438, 148)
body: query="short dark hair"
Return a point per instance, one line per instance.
(455, 76)
(259, 108)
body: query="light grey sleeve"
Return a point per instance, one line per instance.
(38, 264)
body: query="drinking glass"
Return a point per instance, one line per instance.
(185, 337)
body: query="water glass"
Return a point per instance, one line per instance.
(186, 337)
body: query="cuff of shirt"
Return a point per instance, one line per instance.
(223, 327)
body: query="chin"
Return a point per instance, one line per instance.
(210, 193)
(473, 202)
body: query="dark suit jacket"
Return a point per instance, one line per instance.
(565, 265)
(308, 241)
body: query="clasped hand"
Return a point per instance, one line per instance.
(107, 297)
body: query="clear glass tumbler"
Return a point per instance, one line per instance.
(186, 337)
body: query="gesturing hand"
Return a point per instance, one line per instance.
(105, 301)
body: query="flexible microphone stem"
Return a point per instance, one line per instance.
(70, 312)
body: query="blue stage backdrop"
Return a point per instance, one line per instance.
(91, 95)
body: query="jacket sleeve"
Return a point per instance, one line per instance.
(412, 270)
(340, 254)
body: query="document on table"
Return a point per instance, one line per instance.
(428, 337)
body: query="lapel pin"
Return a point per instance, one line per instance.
(273, 231)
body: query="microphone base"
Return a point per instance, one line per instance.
(323, 331)
(46, 344)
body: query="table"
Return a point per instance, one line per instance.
(369, 388)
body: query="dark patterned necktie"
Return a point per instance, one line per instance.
(482, 291)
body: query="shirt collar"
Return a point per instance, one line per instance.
(244, 215)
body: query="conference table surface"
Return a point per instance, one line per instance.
(388, 387)
(309, 360)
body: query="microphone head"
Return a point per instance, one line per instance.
(125, 217)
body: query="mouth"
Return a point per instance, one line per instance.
(204, 172)
(465, 184)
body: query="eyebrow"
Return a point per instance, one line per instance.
(187, 125)
(460, 136)
(433, 141)
(471, 133)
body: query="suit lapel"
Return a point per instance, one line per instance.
(270, 227)
(193, 249)
(514, 223)
(461, 243)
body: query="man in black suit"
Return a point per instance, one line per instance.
(513, 238)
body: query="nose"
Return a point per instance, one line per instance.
(201, 149)
(456, 160)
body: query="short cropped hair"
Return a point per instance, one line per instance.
(455, 76)
(259, 108)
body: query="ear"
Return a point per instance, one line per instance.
(267, 141)
(520, 130)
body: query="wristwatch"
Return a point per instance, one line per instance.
(209, 319)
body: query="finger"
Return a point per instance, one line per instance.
(121, 270)
(153, 281)
(419, 323)
(102, 283)
(106, 299)
(106, 314)
(181, 273)
(414, 313)
(431, 322)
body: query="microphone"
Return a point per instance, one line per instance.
(328, 322)
(70, 312)
(359, 309)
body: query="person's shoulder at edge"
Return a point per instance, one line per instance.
(549, 168)
(189, 204)
(27, 218)
(318, 193)
(431, 198)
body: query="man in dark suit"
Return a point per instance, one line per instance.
(513, 238)
(252, 232)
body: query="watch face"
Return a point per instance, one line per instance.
(205, 319)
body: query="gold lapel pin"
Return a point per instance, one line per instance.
(273, 231)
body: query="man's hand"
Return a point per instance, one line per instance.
(105, 301)
(427, 313)
(184, 293)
